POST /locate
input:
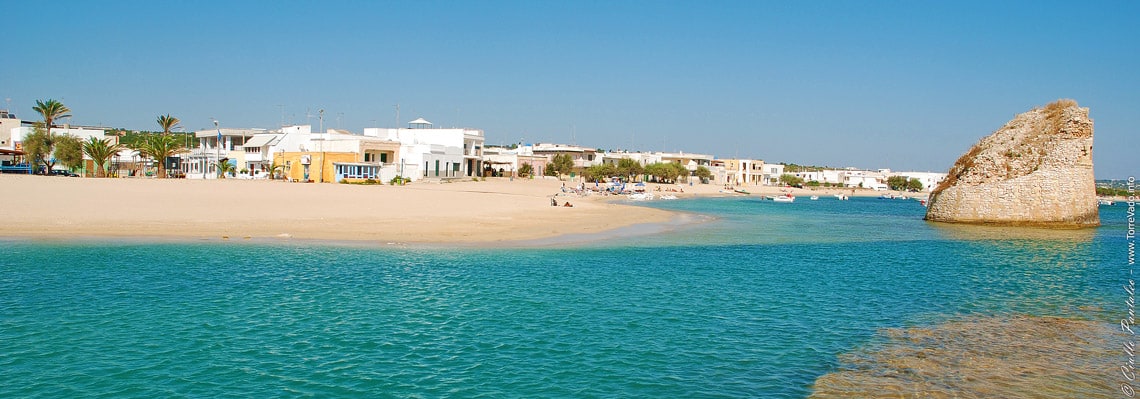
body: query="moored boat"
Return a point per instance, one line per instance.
(784, 198)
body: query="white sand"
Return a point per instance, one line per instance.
(495, 210)
(487, 211)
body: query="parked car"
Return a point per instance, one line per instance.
(66, 173)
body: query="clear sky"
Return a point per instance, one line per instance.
(906, 85)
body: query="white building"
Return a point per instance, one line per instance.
(865, 179)
(929, 180)
(772, 173)
(739, 172)
(689, 160)
(583, 157)
(427, 152)
(502, 161)
(214, 144)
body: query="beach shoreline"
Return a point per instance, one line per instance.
(499, 211)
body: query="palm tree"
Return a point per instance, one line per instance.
(224, 166)
(276, 171)
(101, 151)
(167, 122)
(51, 110)
(158, 148)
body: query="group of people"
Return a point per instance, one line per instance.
(554, 202)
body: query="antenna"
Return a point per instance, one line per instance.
(397, 116)
(322, 112)
(282, 106)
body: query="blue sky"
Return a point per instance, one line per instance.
(906, 85)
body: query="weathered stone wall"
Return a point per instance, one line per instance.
(1036, 170)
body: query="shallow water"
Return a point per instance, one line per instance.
(761, 301)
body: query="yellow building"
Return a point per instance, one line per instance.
(321, 166)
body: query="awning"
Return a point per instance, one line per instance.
(258, 140)
(10, 152)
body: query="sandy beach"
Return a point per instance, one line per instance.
(495, 210)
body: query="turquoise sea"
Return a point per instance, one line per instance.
(760, 299)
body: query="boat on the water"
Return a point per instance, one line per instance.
(784, 198)
(814, 198)
(1106, 201)
(842, 197)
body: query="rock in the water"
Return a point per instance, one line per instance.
(1036, 170)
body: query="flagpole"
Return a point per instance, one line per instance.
(218, 150)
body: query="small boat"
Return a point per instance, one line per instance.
(641, 197)
(740, 192)
(1105, 201)
(784, 198)
(814, 198)
(668, 197)
(842, 197)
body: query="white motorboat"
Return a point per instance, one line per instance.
(784, 198)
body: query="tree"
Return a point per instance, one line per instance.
(667, 172)
(525, 169)
(51, 110)
(629, 168)
(158, 148)
(703, 173)
(224, 166)
(276, 171)
(898, 183)
(69, 151)
(682, 171)
(561, 164)
(791, 180)
(100, 151)
(600, 172)
(38, 147)
(167, 122)
(914, 184)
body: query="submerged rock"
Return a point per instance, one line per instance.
(1036, 170)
